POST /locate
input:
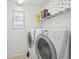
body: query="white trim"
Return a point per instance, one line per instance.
(15, 55)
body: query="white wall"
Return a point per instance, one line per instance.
(17, 39)
(60, 21)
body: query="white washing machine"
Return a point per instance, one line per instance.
(50, 44)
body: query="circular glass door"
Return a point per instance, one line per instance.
(45, 48)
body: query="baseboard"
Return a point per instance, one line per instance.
(16, 55)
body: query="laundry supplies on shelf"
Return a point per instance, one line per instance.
(54, 8)
(44, 13)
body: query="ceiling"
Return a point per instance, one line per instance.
(32, 2)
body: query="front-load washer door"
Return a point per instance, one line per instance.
(45, 48)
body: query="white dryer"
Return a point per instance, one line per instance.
(50, 44)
